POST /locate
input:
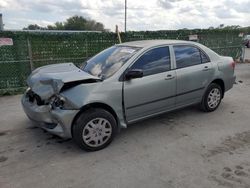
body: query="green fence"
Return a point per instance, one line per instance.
(34, 49)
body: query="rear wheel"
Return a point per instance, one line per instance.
(212, 98)
(94, 129)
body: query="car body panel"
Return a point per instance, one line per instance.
(192, 81)
(131, 100)
(108, 93)
(150, 94)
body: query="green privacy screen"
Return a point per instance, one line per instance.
(32, 49)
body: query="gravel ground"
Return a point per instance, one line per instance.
(186, 148)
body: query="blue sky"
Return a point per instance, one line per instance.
(142, 15)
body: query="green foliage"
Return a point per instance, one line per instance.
(57, 26)
(72, 23)
(34, 27)
(75, 23)
(228, 27)
(231, 27)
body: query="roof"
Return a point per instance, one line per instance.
(149, 43)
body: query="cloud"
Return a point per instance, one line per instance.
(4, 3)
(142, 15)
(223, 12)
(239, 6)
(166, 4)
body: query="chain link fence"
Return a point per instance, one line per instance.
(32, 49)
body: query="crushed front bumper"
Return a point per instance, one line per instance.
(56, 121)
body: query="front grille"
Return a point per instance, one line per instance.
(33, 97)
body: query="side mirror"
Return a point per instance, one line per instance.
(134, 73)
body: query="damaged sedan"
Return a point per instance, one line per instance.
(122, 85)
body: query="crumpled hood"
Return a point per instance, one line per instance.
(49, 80)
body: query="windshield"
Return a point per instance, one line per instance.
(109, 61)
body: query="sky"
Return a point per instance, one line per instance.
(141, 14)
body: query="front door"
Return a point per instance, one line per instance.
(155, 91)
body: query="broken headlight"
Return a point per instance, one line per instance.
(60, 102)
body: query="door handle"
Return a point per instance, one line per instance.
(169, 77)
(206, 68)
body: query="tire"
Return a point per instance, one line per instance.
(212, 98)
(94, 129)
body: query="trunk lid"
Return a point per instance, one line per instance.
(226, 65)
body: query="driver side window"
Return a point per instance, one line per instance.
(154, 61)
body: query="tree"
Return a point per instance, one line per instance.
(232, 27)
(72, 23)
(226, 27)
(34, 27)
(75, 23)
(221, 26)
(80, 23)
(229, 27)
(57, 26)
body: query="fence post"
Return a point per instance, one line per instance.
(118, 33)
(86, 48)
(30, 55)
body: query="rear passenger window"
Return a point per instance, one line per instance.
(204, 57)
(188, 55)
(154, 61)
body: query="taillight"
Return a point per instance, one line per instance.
(233, 64)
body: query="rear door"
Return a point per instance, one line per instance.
(194, 72)
(155, 91)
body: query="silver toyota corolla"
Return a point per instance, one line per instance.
(124, 84)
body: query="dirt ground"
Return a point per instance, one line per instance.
(183, 149)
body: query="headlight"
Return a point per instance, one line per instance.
(61, 102)
(57, 101)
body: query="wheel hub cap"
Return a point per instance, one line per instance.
(214, 98)
(97, 132)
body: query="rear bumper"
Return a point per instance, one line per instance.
(229, 83)
(55, 121)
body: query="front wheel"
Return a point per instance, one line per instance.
(94, 129)
(212, 98)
